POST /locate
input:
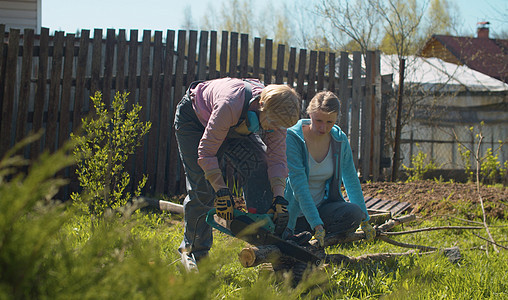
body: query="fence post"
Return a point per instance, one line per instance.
(355, 105)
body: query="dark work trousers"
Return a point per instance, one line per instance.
(339, 217)
(246, 155)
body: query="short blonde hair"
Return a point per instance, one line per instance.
(281, 104)
(324, 101)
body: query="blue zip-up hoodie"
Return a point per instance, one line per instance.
(297, 188)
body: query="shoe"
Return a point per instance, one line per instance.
(189, 262)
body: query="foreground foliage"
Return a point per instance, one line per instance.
(50, 250)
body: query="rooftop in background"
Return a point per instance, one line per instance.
(481, 53)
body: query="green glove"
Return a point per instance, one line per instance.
(370, 232)
(319, 234)
(224, 204)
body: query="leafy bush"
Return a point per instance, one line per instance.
(108, 140)
(420, 167)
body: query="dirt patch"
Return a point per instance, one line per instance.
(443, 198)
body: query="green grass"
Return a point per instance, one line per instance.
(50, 250)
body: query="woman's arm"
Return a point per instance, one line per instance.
(299, 181)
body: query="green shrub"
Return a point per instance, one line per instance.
(420, 167)
(29, 219)
(109, 139)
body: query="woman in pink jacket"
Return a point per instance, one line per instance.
(241, 122)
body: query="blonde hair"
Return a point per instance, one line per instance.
(281, 104)
(324, 101)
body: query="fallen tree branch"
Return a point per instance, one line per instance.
(405, 245)
(394, 222)
(432, 229)
(492, 242)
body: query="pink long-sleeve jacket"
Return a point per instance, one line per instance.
(218, 105)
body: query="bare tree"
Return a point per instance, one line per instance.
(359, 20)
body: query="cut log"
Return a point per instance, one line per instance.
(253, 256)
(162, 205)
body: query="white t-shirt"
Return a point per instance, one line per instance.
(319, 173)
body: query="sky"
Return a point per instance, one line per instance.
(70, 16)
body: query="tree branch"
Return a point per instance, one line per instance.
(432, 229)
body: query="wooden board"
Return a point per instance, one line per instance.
(382, 205)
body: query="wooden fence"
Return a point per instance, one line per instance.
(46, 82)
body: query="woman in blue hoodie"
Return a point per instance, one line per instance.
(319, 160)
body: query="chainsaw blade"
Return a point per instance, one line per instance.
(246, 229)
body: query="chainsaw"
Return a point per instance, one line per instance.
(258, 230)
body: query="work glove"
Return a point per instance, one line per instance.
(280, 214)
(319, 235)
(370, 232)
(224, 204)
(279, 207)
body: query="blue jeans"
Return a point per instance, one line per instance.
(246, 156)
(339, 217)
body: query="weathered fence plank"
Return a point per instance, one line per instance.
(377, 116)
(120, 61)
(203, 47)
(139, 168)
(279, 73)
(173, 165)
(311, 85)
(9, 91)
(244, 55)
(292, 67)
(212, 69)
(366, 118)
(233, 55)
(133, 67)
(108, 66)
(2, 64)
(65, 102)
(54, 92)
(256, 58)
(343, 92)
(331, 73)
(268, 62)
(24, 89)
(167, 113)
(95, 84)
(155, 106)
(79, 100)
(224, 54)
(321, 71)
(300, 87)
(40, 91)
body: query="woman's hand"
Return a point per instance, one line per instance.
(319, 234)
(370, 232)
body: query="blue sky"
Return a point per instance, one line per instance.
(70, 15)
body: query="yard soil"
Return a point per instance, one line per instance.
(428, 197)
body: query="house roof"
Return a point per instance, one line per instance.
(489, 56)
(434, 74)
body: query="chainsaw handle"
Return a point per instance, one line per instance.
(210, 220)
